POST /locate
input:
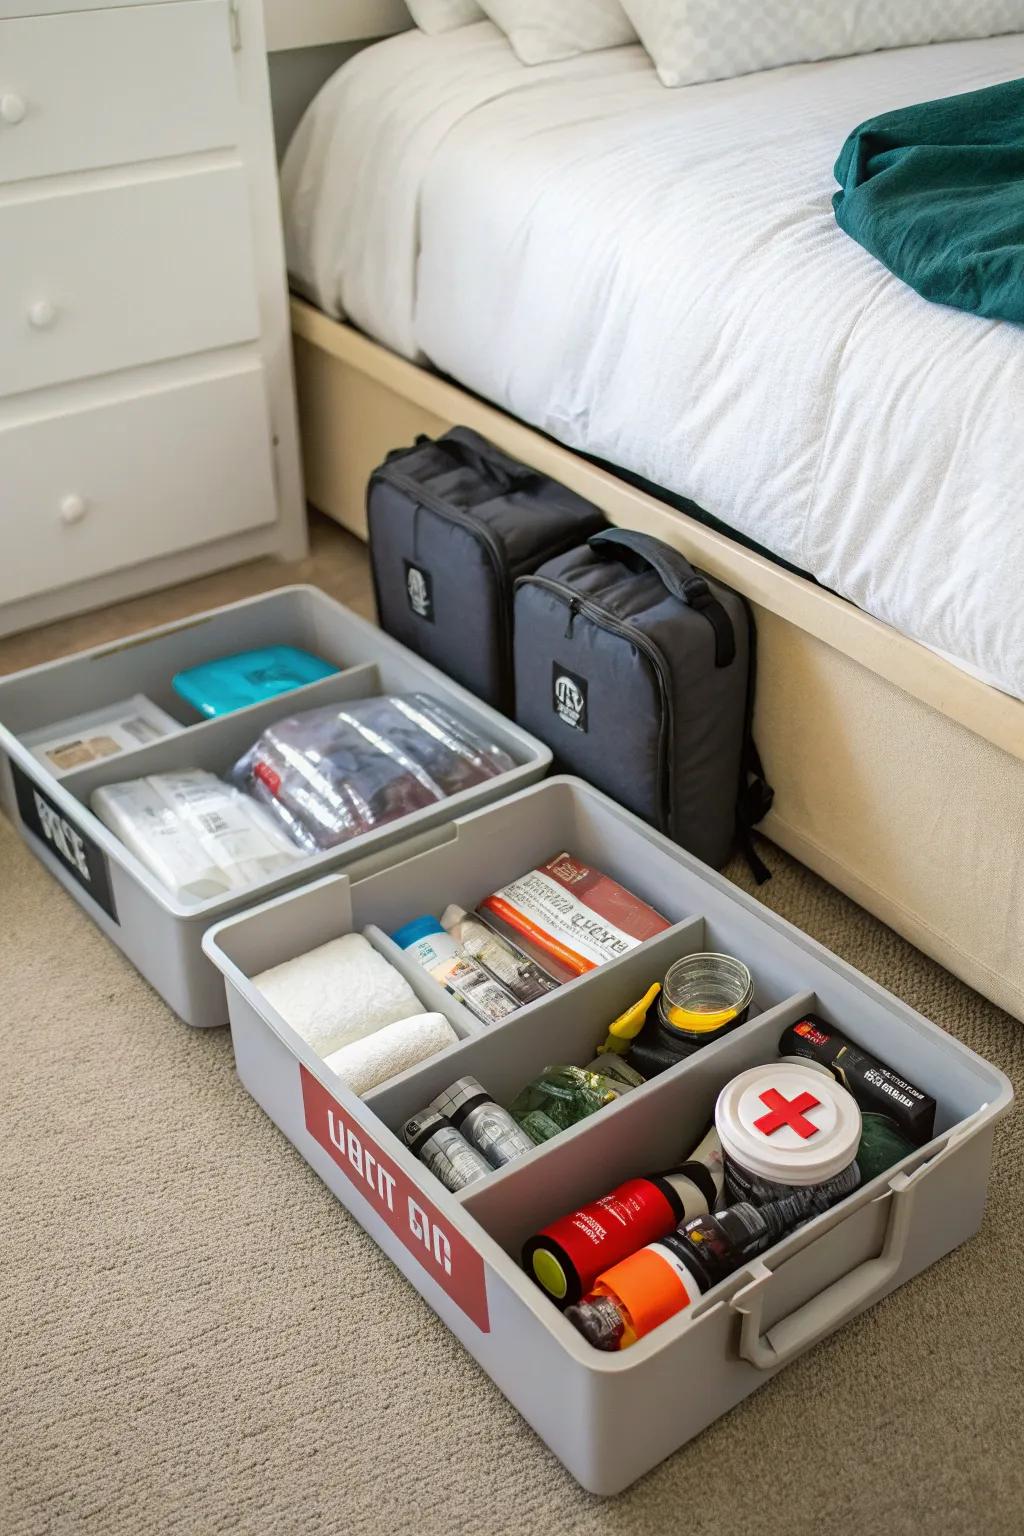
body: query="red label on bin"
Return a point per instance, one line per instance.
(442, 1251)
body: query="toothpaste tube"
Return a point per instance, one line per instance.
(471, 985)
(441, 957)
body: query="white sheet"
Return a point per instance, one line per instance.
(656, 277)
(353, 175)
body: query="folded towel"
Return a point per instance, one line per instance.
(367, 1063)
(338, 993)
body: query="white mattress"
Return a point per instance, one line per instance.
(656, 277)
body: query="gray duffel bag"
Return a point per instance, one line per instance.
(452, 523)
(638, 672)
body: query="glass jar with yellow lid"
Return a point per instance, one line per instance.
(703, 998)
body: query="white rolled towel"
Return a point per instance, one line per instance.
(367, 1063)
(340, 992)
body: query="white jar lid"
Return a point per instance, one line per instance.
(788, 1123)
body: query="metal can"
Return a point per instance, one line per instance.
(485, 1124)
(442, 1149)
(784, 1128)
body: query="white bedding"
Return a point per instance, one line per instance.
(655, 277)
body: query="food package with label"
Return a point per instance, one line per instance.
(200, 837)
(107, 732)
(574, 916)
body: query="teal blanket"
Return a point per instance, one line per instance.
(936, 192)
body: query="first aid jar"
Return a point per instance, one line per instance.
(784, 1128)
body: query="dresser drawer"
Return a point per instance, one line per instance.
(99, 280)
(109, 87)
(95, 490)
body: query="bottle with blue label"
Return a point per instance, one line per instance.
(467, 981)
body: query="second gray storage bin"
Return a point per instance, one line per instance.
(161, 935)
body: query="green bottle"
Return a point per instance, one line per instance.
(561, 1097)
(882, 1144)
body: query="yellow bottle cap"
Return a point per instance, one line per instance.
(550, 1274)
(624, 1030)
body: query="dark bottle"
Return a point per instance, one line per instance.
(716, 1245)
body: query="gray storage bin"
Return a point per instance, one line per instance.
(609, 1418)
(161, 935)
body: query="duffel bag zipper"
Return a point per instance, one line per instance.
(616, 626)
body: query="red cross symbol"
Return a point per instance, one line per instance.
(789, 1112)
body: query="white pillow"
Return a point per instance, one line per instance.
(444, 15)
(695, 40)
(541, 31)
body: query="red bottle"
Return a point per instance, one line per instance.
(569, 1254)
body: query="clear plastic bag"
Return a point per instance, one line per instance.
(330, 774)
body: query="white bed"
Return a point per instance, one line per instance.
(655, 277)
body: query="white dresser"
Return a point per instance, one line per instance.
(147, 416)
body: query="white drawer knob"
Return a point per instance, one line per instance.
(12, 108)
(41, 315)
(73, 509)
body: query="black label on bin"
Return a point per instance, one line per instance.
(419, 589)
(569, 697)
(75, 850)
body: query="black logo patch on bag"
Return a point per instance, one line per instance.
(77, 852)
(569, 697)
(419, 590)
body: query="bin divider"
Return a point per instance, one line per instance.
(314, 915)
(565, 1027)
(653, 1128)
(216, 745)
(434, 997)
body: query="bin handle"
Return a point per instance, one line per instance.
(853, 1292)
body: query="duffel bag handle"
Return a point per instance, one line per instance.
(679, 578)
(475, 451)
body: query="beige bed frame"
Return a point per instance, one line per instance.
(898, 778)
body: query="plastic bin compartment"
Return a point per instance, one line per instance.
(555, 1030)
(160, 935)
(145, 663)
(609, 1418)
(653, 1128)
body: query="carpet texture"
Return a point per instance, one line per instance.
(197, 1338)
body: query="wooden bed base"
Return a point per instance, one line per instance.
(898, 778)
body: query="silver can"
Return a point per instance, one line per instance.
(485, 1124)
(444, 1150)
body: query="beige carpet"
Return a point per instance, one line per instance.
(197, 1338)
